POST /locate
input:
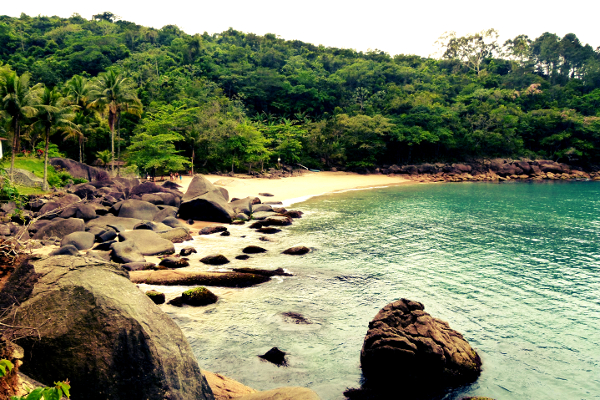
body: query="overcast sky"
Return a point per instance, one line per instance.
(397, 27)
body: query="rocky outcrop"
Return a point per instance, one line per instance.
(109, 339)
(205, 202)
(406, 347)
(79, 170)
(138, 209)
(296, 250)
(189, 278)
(81, 240)
(25, 178)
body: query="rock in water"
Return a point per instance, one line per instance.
(276, 357)
(199, 296)
(407, 347)
(109, 339)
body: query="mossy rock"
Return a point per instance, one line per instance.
(156, 297)
(199, 296)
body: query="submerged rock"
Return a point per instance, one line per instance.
(297, 250)
(253, 250)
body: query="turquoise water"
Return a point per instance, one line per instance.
(514, 267)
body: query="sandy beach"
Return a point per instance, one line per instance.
(298, 188)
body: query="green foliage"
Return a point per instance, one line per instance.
(5, 367)
(53, 150)
(47, 393)
(241, 101)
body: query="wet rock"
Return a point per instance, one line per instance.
(209, 230)
(276, 357)
(256, 225)
(269, 230)
(174, 262)
(405, 346)
(177, 301)
(253, 250)
(242, 257)
(277, 221)
(297, 250)
(262, 207)
(186, 251)
(293, 214)
(264, 272)
(215, 259)
(295, 318)
(226, 233)
(176, 235)
(241, 217)
(261, 215)
(200, 296)
(180, 277)
(242, 206)
(266, 194)
(156, 297)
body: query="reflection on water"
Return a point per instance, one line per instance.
(515, 268)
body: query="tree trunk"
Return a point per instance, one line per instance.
(14, 148)
(45, 183)
(111, 125)
(118, 141)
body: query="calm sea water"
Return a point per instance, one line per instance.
(514, 267)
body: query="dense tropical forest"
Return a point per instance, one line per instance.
(159, 98)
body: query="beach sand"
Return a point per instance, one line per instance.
(298, 188)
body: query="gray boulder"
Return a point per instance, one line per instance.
(174, 223)
(262, 207)
(138, 209)
(109, 219)
(109, 339)
(149, 243)
(205, 202)
(176, 235)
(166, 212)
(79, 170)
(60, 228)
(25, 178)
(79, 210)
(126, 252)
(243, 206)
(81, 240)
(260, 215)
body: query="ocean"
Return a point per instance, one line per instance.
(514, 267)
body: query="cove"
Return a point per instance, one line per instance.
(514, 267)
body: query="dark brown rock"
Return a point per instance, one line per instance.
(209, 230)
(269, 230)
(297, 250)
(156, 297)
(253, 250)
(215, 259)
(276, 357)
(405, 346)
(186, 251)
(174, 262)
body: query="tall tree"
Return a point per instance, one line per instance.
(115, 94)
(471, 50)
(17, 101)
(53, 113)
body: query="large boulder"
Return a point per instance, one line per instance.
(149, 243)
(138, 209)
(126, 252)
(205, 202)
(111, 220)
(406, 347)
(79, 170)
(109, 339)
(60, 228)
(81, 240)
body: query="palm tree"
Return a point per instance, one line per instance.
(79, 91)
(104, 156)
(82, 126)
(17, 101)
(114, 94)
(53, 112)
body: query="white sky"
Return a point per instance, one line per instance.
(397, 27)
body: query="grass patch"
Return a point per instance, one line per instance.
(27, 191)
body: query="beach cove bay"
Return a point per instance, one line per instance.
(514, 267)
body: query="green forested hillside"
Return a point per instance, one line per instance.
(237, 100)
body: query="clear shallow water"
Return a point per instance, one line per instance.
(514, 267)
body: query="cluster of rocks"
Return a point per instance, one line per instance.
(494, 170)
